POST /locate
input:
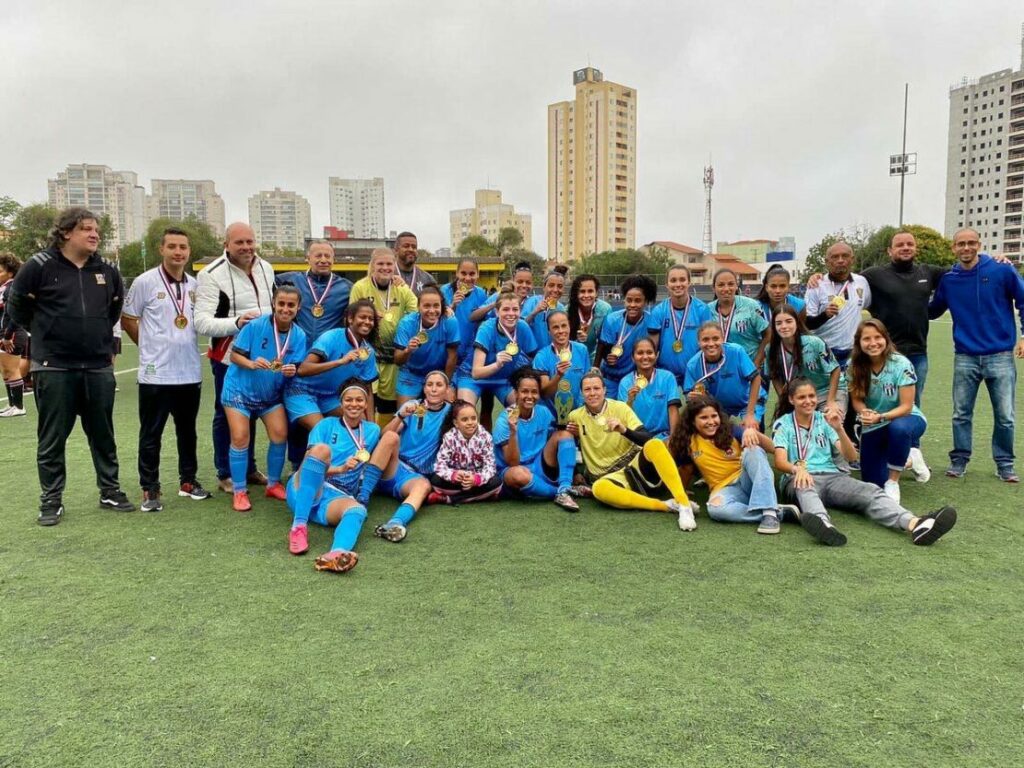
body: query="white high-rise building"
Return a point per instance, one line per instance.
(985, 160)
(357, 205)
(280, 217)
(116, 194)
(181, 198)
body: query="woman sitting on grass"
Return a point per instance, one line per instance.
(465, 469)
(806, 443)
(740, 479)
(326, 485)
(628, 467)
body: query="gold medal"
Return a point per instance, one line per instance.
(362, 455)
(640, 381)
(565, 355)
(698, 389)
(512, 348)
(276, 366)
(564, 386)
(389, 316)
(677, 346)
(465, 288)
(513, 411)
(839, 302)
(421, 410)
(601, 421)
(617, 350)
(422, 337)
(363, 353)
(317, 310)
(181, 322)
(802, 464)
(552, 303)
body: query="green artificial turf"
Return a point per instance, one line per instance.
(506, 634)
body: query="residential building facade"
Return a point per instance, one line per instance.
(280, 217)
(116, 194)
(489, 216)
(181, 198)
(357, 206)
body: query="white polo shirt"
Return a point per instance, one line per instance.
(167, 354)
(838, 332)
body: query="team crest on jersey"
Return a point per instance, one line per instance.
(890, 389)
(161, 295)
(860, 293)
(820, 440)
(101, 280)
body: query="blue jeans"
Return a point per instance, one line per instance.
(750, 495)
(999, 373)
(888, 447)
(920, 363)
(221, 433)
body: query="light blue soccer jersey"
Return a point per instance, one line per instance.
(569, 395)
(794, 301)
(615, 328)
(727, 380)
(539, 325)
(820, 440)
(532, 436)
(421, 438)
(433, 355)
(748, 324)
(333, 433)
(884, 392)
(334, 345)
(817, 367)
(492, 341)
(652, 402)
(665, 320)
(258, 389)
(467, 328)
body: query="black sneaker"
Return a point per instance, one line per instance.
(933, 527)
(50, 513)
(821, 531)
(194, 490)
(116, 500)
(151, 502)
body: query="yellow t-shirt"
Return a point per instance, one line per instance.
(601, 448)
(402, 302)
(719, 468)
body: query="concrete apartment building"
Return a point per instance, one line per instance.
(280, 217)
(487, 218)
(116, 194)
(357, 206)
(181, 198)
(592, 168)
(985, 160)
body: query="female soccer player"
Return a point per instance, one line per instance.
(265, 353)
(740, 479)
(427, 340)
(562, 364)
(336, 356)
(13, 342)
(536, 309)
(503, 344)
(464, 296)
(793, 352)
(725, 372)
(882, 386)
(651, 392)
(621, 330)
(464, 470)
(325, 486)
(775, 292)
(739, 316)
(534, 458)
(674, 323)
(629, 469)
(393, 300)
(586, 311)
(805, 446)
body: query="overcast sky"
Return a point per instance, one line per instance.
(799, 104)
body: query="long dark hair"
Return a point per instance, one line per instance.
(574, 301)
(464, 260)
(453, 412)
(66, 222)
(776, 370)
(859, 371)
(773, 270)
(785, 407)
(686, 428)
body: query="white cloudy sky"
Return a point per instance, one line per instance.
(798, 103)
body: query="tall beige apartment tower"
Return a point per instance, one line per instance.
(592, 168)
(488, 218)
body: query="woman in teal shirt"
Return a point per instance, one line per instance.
(586, 311)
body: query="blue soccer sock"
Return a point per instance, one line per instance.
(305, 486)
(368, 482)
(238, 460)
(539, 488)
(275, 461)
(403, 515)
(348, 529)
(566, 453)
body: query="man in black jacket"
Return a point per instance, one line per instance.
(69, 298)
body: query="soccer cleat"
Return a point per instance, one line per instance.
(685, 513)
(275, 491)
(1007, 475)
(298, 540)
(393, 532)
(151, 502)
(256, 478)
(789, 510)
(769, 524)
(240, 501)
(956, 470)
(581, 491)
(918, 466)
(933, 526)
(225, 484)
(822, 530)
(11, 411)
(50, 513)
(116, 500)
(567, 502)
(436, 497)
(337, 561)
(892, 490)
(194, 490)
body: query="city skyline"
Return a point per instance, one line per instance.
(799, 126)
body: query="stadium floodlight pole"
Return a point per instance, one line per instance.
(903, 172)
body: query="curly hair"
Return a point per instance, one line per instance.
(645, 284)
(353, 308)
(686, 428)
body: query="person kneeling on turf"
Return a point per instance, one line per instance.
(326, 487)
(805, 447)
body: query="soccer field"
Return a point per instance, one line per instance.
(506, 634)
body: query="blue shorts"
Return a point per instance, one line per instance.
(299, 404)
(500, 389)
(248, 407)
(538, 469)
(403, 474)
(328, 495)
(409, 384)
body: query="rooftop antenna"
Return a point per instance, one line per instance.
(709, 182)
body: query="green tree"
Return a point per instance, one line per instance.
(932, 247)
(204, 243)
(627, 261)
(130, 261)
(477, 246)
(29, 230)
(9, 208)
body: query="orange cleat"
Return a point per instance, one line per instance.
(337, 561)
(240, 501)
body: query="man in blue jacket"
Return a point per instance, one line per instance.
(980, 295)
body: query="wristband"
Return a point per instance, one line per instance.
(477, 480)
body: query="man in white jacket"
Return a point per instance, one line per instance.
(233, 289)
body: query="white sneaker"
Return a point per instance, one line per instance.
(918, 466)
(11, 411)
(686, 514)
(892, 490)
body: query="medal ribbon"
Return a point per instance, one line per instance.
(623, 335)
(357, 440)
(557, 351)
(180, 307)
(583, 320)
(387, 298)
(802, 447)
(704, 368)
(679, 330)
(787, 365)
(424, 330)
(510, 336)
(843, 289)
(281, 349)
(726, 326)
(356, 343)
(319, 299)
